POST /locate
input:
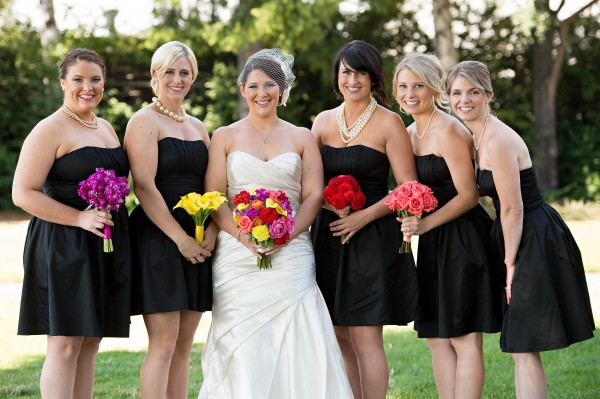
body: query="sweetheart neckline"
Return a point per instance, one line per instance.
(262, 160)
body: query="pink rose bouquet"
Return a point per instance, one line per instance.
(104, 191)
(265, 216)
(411, 199)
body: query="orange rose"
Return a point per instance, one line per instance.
(257, 204)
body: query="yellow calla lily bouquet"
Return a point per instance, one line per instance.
(200, 207)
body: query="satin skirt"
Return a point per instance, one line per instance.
(271, 334)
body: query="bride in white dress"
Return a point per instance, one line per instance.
(271, 335)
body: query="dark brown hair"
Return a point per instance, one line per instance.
(363, 57)
(81, 54)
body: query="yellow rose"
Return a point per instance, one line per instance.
(260, 233)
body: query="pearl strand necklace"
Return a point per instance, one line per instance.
(478, 143)
(347, 134)
(168, 112)
(92, 125)
(428, 123)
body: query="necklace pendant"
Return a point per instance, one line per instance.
(265, 141)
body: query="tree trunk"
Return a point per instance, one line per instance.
(548, 59)
(49, 32)
(545, 147)
(442, 20)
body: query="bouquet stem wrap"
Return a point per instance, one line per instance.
(108, 244)
(406, 240)
(199, 234)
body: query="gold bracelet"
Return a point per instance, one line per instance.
(237, 236)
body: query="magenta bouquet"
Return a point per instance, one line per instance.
(104, 191)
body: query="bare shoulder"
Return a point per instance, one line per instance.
(454, 131)
(49, 130)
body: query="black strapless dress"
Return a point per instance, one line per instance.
(460, 282)
(163, 280)
(365, 282)
(550, 305)
(71, 287)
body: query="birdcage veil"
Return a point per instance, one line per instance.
(276, 64)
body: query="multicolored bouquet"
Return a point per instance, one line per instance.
(411, 199)
(200, 207)
(343, 191)
(266, 217)
(104, 191)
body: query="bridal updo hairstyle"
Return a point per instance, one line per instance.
(165, 55)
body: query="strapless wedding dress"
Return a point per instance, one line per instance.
(271, 335)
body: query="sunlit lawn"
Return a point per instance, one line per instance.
(572, 373)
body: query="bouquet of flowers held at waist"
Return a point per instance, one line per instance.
(343, 191)
(104, 191)
(411, 198)
(199, 207)
(265, 216)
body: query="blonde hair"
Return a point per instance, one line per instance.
(165, 55)
(476, 72)
(427, 68)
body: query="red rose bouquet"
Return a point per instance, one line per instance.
(104, 191)
(411, 199)
(343, 191)
(266, 217)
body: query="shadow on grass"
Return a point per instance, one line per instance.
(573, 373)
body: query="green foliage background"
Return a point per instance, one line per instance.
(30, 89)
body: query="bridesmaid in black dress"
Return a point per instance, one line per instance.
(73, 292)
(168, 152)
(548, 305)
(365, 281)
(459, 285)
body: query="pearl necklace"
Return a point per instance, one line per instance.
(92, 125)
(349, 134)
(478, 143)
(428, 123)
(168, 112)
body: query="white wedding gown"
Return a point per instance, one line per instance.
(271, 335)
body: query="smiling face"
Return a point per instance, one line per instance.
(353, 85)
(83, 85)
(177, 79)
(468, 101)
(261, 92)
(413, 95)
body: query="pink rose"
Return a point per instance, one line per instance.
(278, 228)
(245, 224)
(415, 206)
(429, 202)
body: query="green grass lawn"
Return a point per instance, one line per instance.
(573, 373)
